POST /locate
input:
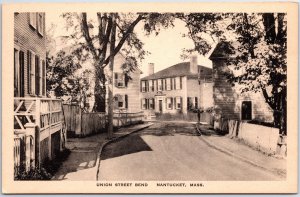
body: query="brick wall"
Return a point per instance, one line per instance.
(27, 38)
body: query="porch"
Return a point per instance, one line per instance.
(39, 131)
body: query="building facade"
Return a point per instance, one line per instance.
(126, 88)
(29, 55)
(232, 103)
(177, 89)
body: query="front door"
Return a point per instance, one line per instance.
(160, 106)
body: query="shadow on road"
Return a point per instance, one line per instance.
(125, 146)
(134, 143)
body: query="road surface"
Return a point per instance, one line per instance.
(172, 152)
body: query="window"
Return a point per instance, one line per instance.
(190, 104)
(40, 25)
(169, 103)
(151, 85)
(151, 103)
(168, 84)
(159, 82)
(119, 80)
(32, 19)
(143, 86)
(119, 101)
(178, 102)
(177, 83)
(196, 102)
(144, 104)
(246, 110)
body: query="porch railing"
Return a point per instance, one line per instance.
(35, 121)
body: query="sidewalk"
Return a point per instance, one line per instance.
(83, 161)
(238, 149)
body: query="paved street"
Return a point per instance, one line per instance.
(173, 151)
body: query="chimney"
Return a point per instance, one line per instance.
(193, 64)
(150, 68)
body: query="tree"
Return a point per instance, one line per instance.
(257, 45)
(63, 80)
(115, 33)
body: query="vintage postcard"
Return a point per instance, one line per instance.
(150, 98)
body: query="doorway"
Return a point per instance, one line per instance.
(160, 106)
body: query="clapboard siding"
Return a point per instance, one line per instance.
(229, 98)
(27, 38)
(133, 88)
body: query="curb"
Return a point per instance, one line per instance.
(227, 152)
(113, 140)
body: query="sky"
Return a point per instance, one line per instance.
(165, 48)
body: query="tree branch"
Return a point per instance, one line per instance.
(125, 36)
(267, 98)
(86, 34)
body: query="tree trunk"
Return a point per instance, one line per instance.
(99, 90)
(111, 82)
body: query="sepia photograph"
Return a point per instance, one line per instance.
(172, 99)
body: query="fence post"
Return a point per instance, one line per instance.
(49, 135)
(30, 151)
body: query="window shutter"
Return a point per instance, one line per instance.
(153, 103)
(165, 84)
(171, 80)
(126, 101)
(174, 83)
(180, 102)
(21, 73)
(156, 85)
(174, 104)
(147, 86)
(32, 19)
(28, 72)
(126, 79)
(43, 78)
(180, 82)
(37, 75)
(116, 79)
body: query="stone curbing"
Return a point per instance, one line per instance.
(228, 152)
(114, 140)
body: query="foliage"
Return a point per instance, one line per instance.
(256, 47)
(45, 172)
(34, 174)
(110, 34)
(63, 80)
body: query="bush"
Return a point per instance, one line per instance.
(34, 174)
(46, 171)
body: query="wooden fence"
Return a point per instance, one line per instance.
(80, 124)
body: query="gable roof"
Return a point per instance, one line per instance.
(223, 50)
(177, 70)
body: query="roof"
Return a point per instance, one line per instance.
(181, 69)
(223, 49)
